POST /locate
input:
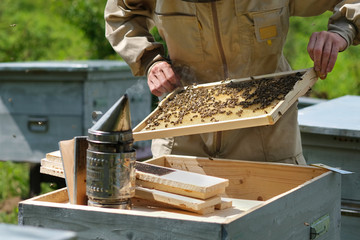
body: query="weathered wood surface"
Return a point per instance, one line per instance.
(350, 226)
(54, 156)
(67, 149)
(50, 168)
(46, 163)
(81, 146)
(179, 201)
(179, 181)
(224, 204)
(57, 196)
(247, 180)
(155, 222)
(52, 164)
(300, 88)
(287, 216)
(96, 224)
(284, 214)
(73, 154)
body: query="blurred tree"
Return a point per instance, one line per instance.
(33, 30)
(75, 29)
(87, 15)
(34, 37)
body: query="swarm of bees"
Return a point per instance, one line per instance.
(226, 101)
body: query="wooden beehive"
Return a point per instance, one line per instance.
(270, 201)
(225, 105)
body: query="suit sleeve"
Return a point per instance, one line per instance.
(345, 19)
(127, 24)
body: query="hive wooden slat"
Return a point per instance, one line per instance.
(186, 203)
(52, 164)
(180, 182)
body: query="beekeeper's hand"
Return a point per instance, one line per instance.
(323, 49)
(162, 78)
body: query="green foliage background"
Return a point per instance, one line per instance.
(14, 182)
(32, 30)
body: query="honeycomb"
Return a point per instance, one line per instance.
(221, 102)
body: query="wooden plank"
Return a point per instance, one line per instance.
(178, 181)
(224, 204)
(51, 163)
(179, 190)
(59, 199)
(96, 223)
(54, 156)
(73, 153)
(206, 211)
(247, 180)
(81, 146)
(350, 227)
(203, 128)
(300, 88)
(67, 149)
(182, 202)
(52, 171)
(288, 216)
(57, 196)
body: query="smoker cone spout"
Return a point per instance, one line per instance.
(110, 157)
(116, 119)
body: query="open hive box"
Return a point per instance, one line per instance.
(269, 201)
(225, 105)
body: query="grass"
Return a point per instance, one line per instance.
(14, 179)
(14, 183)
(10, 217)
(14, 186)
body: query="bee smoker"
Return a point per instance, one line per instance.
(110, 159)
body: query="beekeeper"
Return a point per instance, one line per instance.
(212, 40)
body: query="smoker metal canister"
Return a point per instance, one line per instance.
(110, 177)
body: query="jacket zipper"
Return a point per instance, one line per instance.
(218, 135)
(218, 39)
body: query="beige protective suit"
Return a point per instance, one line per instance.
(223, 39)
